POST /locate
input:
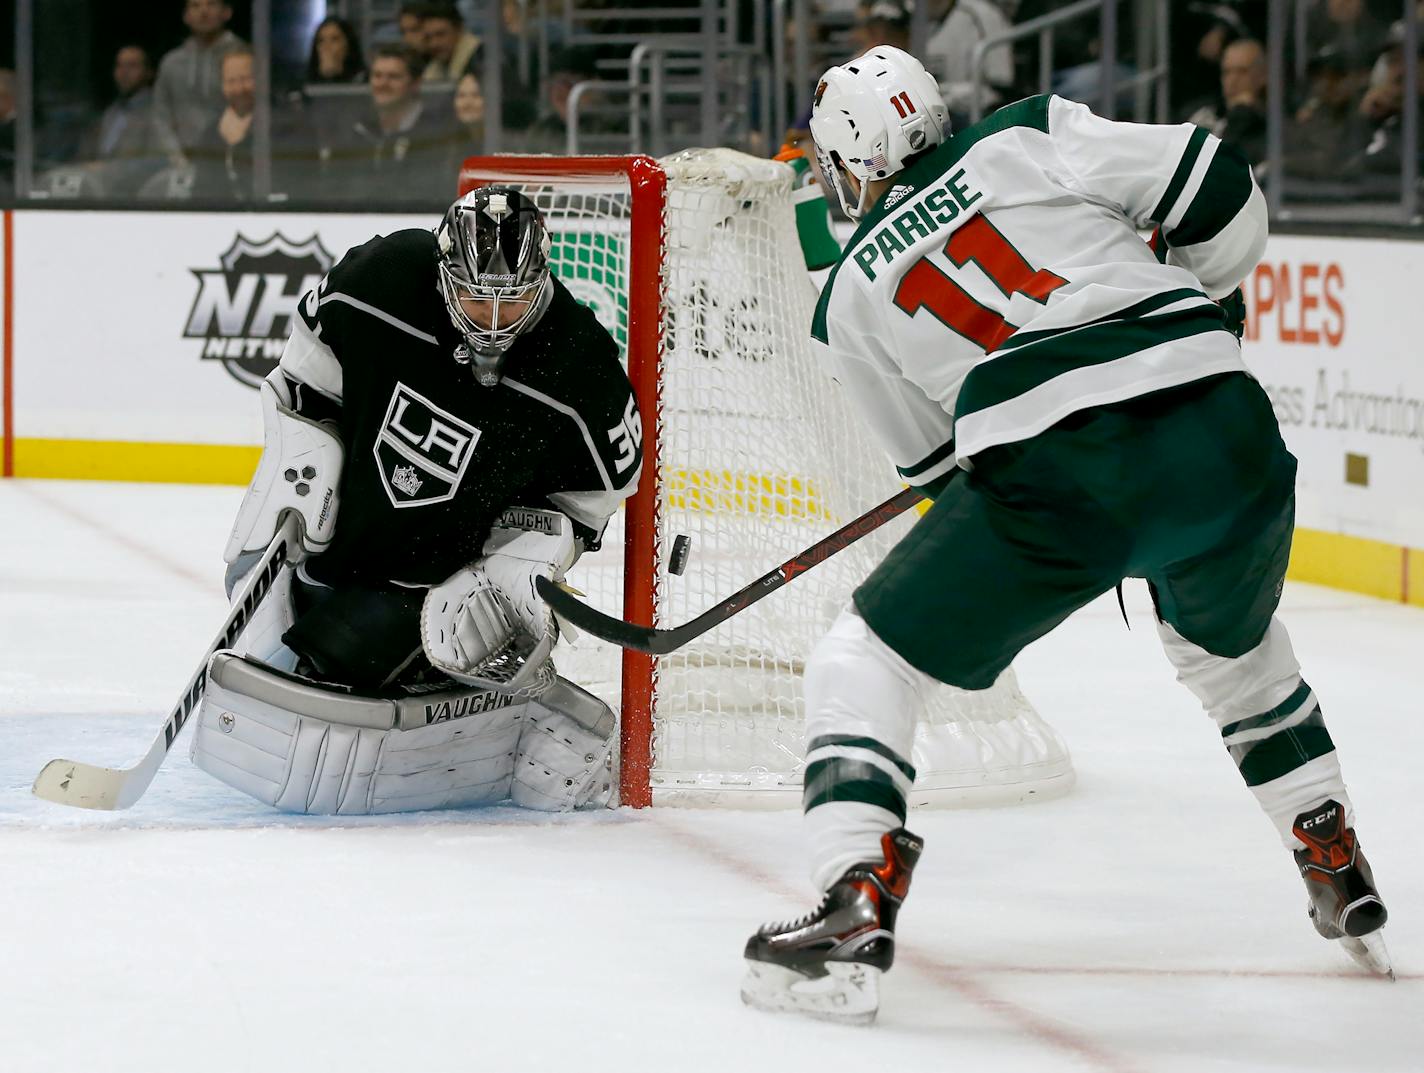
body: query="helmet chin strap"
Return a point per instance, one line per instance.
(840, 179)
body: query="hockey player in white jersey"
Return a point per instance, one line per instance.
(1077, 407)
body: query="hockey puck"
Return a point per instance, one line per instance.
(681, 549)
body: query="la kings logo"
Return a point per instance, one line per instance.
(243, 310)
(421, 450)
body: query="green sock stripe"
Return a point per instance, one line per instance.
(838, 779)
(1280, 754)
(851, 741)
(1286, 707)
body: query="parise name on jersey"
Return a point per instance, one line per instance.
(925, 215)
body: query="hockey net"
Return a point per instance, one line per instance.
(693, 264)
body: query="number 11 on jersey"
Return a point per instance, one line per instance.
(926, 286)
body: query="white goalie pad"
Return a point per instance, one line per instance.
(302, 748)
(567, 756)
(299, 471)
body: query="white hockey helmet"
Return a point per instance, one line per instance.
(872, 114)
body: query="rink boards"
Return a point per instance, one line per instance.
(140, 365)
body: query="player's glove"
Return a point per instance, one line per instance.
(1233, 308)
(486, 624)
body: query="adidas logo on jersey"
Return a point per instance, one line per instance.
(897, 195)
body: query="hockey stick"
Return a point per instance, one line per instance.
(660, 642)
(71, 782)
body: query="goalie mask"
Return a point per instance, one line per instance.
(871, 115)
(493, 259)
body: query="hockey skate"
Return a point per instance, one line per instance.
(827, 964)
(1344, 904)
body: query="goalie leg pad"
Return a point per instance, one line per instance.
(301, 748)
(567, 752)
(275, 615)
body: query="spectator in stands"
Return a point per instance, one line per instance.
(1382, 106)
(402, 149)
(1237, 115)
(1205, 32)
(956, 27)
(412, 29)
(188, 92)
(452, 49)
(222, 159)
(549, 133)
(1349, 26)
(335, 53)
(881, 22)
(1328, 129)
(469, 106)
(121, 150)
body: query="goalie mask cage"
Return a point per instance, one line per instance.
(693, 264)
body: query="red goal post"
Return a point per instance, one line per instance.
(647, 191)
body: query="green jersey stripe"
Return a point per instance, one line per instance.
(851, 741)
(1139, 309)
(1223, 193)
(1180, 176)
(1275, 715)
(1007, 376)
(818, 318)
(934, 458)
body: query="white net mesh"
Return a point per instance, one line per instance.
(760, 457)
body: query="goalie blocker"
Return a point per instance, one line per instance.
(300, 747)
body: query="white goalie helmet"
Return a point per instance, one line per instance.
(871, 115)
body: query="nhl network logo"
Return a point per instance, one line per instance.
(243, 310)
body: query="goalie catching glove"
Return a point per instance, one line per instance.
(485, 624)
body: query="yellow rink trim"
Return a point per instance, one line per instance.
(1356, 564)
(121, 460)
(1340, 561)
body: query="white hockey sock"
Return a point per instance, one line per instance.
(1270, 723)
(862, 704)
(1308, 786)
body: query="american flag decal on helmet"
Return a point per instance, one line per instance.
(876, 162)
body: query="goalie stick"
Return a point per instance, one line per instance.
(660, 642)
(72, 782)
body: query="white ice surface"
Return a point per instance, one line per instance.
(1148, 922)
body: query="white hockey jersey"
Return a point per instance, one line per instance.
(1002, 283)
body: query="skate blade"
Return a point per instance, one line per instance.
(1369, 952)
(847, 994)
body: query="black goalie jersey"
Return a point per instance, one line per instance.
(432, 458)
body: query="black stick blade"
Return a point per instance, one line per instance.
(592, 621)
(660, 642)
